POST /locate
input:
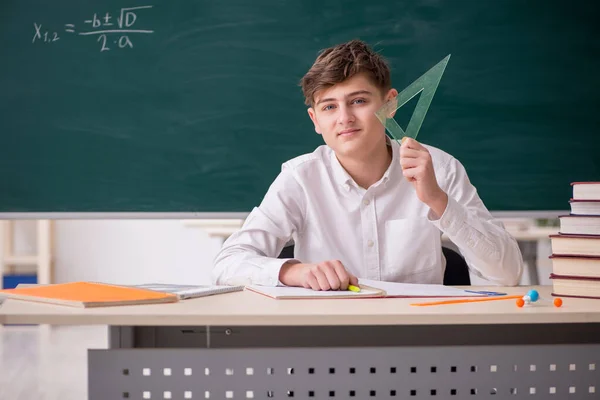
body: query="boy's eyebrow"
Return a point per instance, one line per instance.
(348, 95)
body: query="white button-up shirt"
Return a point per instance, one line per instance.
(382, 233)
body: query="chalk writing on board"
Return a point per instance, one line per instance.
(111, 32)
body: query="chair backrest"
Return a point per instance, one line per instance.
(457, 270)
(287, 252)
(456, 274)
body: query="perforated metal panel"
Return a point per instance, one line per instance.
(457, 372)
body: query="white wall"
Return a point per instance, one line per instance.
(143, 251)
(126, 251)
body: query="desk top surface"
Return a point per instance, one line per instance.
(247, 308)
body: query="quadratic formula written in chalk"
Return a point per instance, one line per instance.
(111, 31)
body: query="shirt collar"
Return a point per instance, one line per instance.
(341, 176)
(395, 158)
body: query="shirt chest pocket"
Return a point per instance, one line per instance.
(413, 246)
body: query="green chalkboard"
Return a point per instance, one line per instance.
(192, 105)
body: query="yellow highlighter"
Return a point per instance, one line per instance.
(353, 288)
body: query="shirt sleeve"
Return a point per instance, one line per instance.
(249, 256)
(489, 250)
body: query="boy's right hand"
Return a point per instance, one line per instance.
(326, 275)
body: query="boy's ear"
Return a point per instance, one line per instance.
(391, 94)
(313, 118)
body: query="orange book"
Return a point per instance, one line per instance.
(88, 294)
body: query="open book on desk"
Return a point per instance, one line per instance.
(184, 292)
(368, 289)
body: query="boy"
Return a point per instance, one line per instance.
(363, 206)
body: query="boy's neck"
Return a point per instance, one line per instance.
(369, 169)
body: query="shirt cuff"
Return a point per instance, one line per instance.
(269, 274)
(451, 220)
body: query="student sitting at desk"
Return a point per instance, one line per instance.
(363, 205)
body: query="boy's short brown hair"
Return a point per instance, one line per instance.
(338, 63)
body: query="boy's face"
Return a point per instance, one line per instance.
(345, 115)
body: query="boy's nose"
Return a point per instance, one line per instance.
(345, 116)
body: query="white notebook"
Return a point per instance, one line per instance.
(289, 292)
(190, 291)
(369, 289)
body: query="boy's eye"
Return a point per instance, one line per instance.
(328, 107)
(358, 101)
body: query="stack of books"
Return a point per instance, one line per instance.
(576, 249)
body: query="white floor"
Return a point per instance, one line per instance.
(47, 362)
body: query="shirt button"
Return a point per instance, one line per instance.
(370, 243)
(366, 202)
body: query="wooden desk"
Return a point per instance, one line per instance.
(244, 345)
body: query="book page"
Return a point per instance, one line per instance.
(282, 292)
(394, 289)
(187, 289)
(190, 291)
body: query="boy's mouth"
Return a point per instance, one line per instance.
(348, 132)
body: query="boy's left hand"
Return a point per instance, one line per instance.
(417, 167)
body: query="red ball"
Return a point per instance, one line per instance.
(520, 303)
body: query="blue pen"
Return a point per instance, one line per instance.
(486, 292)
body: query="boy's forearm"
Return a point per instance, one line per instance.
(287, 273)
(439, 204)
(487, 247)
